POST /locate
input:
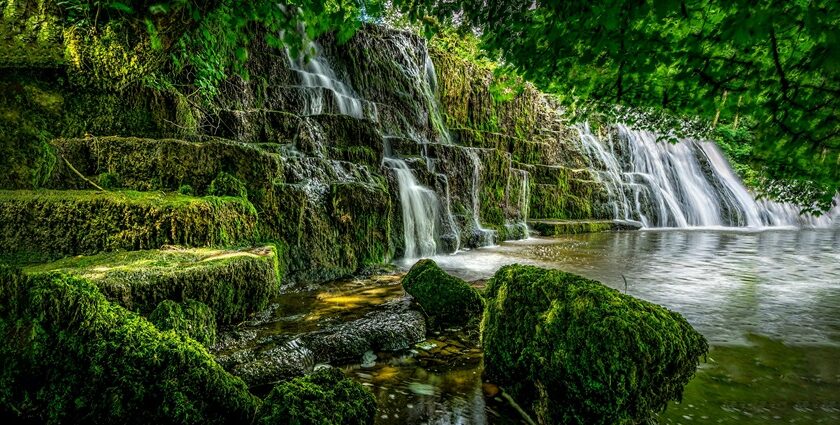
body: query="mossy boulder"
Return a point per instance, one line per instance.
(71, 356)
(325, 397)
(190, 318)
(49, 224)
(446, 300)
(574, 351)
(233, 283)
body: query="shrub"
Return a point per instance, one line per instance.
(574, 351)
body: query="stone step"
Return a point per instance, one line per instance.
(573, 227)
(233, 283)
(43, 225)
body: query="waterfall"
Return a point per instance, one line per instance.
(482, 236)
(316, 77)
(685, 184)
(420, 211)
(524, 199)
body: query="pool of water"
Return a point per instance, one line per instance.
(768, 302)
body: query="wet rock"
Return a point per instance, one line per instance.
(393, 326)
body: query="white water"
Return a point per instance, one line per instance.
(485, 237)
(420, 210)
(685, 184)
(317, 78)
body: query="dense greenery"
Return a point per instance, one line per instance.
(70, 356)
(574, 351)
(446, 300)
(325, 397)
(772, 66)
(191, 318)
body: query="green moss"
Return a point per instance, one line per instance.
(191, 318)
(51, 224)
(325, 397)
(446, 300)
(572, 350)
(233, 284)
(186, 190)
(227, 185)
(109, 180)
(70, 356)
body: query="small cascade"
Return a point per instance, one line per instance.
(420, 211)
(482, 236)
(524, 200)
(317, 78)
(685, 184)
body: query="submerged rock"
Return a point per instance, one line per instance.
(393, 326)
(325, 397)
(190, 318)
(574, 351)
(447, 300)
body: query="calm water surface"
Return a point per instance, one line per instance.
(768, 302)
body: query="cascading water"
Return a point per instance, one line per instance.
(685, 184)
(316, 78)
(420, 211)
(484, 237)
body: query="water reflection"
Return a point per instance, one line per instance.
(780, 284)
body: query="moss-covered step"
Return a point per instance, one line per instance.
(42, 225)
(162, 164)
(574, 351)
(233, 284)
(574, 227)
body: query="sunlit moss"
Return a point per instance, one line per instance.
(233, 284)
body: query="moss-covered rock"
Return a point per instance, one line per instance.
(447, 300)
(233, 284)
(574, 351)
(70, 356)
(227, 185)
(43, 225)
(325, 397)
(190, 318)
